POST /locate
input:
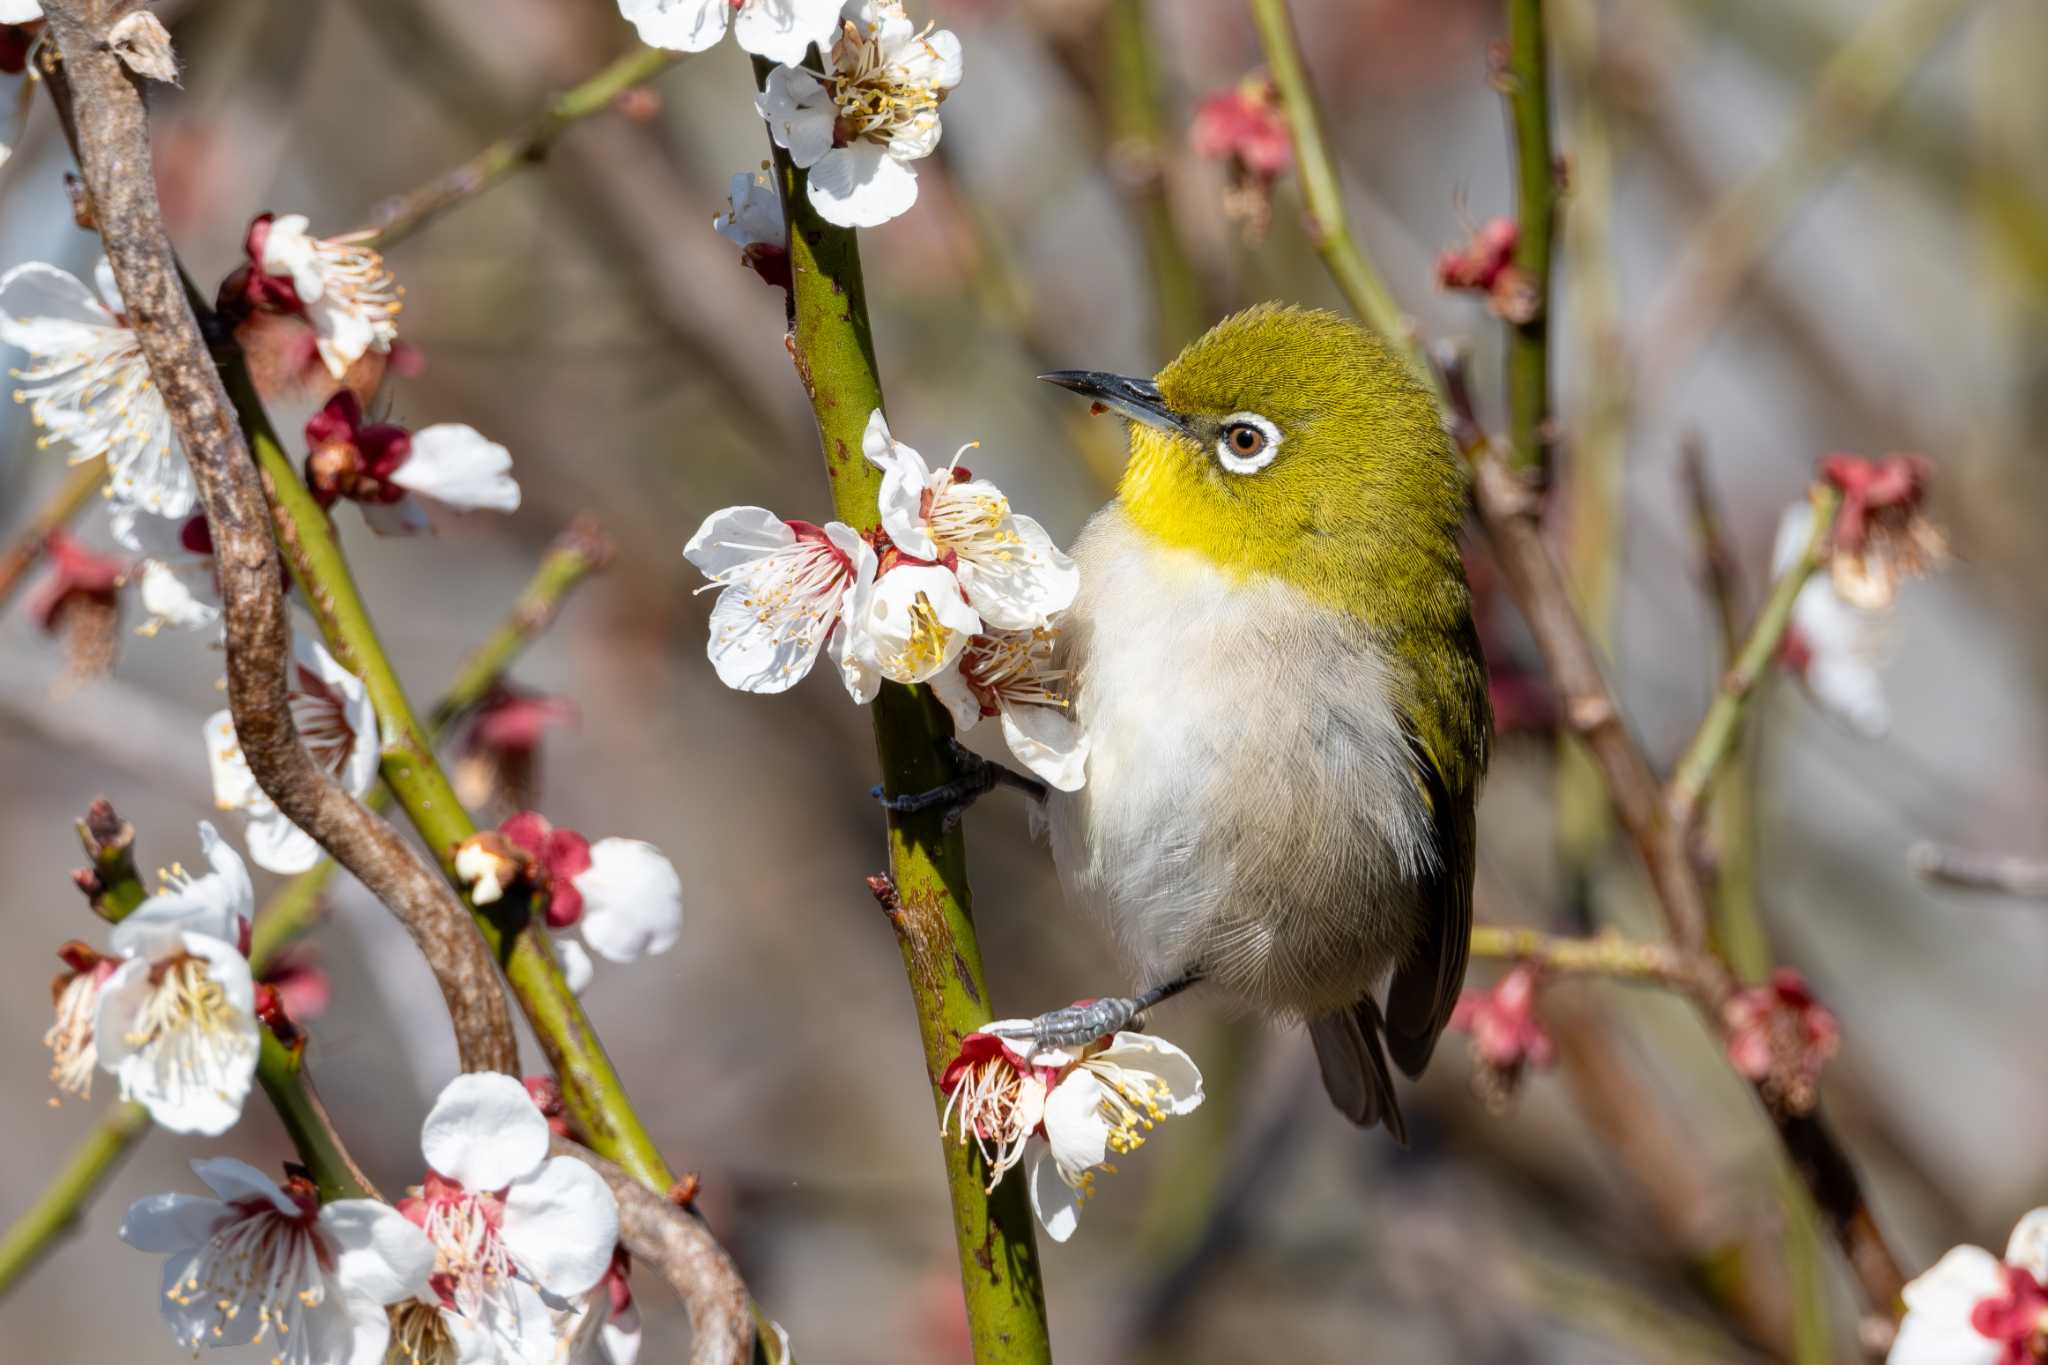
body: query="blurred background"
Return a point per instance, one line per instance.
(1791, 228)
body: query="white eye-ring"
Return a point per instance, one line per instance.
(1248, 443)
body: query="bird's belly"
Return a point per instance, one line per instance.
(1250, 810)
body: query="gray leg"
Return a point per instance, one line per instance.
(978, 777)
(1077, 1025)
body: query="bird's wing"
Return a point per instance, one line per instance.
(1355, 1068)
(1426, 986)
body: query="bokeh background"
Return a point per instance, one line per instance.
(1791, 228)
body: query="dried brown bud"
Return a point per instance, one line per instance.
(143, 44)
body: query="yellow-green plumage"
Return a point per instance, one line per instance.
(1275, 658)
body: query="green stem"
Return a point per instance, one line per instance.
(281, 1072)
(72, 496)
(1530, 430)
(1720, 727)
(56, 1210)
(1139, 149)
(930, 906)
(409, 213)
(1323, 193)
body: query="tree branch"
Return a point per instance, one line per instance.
(114, 155)
(1531, 430)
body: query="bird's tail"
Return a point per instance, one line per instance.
(1355, 1067)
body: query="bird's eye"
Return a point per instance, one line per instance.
(1248, 443)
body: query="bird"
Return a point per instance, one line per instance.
(1274, 657)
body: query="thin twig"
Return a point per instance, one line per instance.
(401, 217)
(2006, 873)
(1717, 556)
(675, 1241)
(1323, 192)
(1719, 728)
(1526, 81)
(114, 156)
(1606, 954)
(71, 497)
(926, 887)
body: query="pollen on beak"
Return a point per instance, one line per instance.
(1137, 399)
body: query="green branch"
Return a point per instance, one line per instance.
(1531, 432)
(1322, 191)
(931, 907)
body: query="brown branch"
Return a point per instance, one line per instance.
(675, 1241)
(104, 111)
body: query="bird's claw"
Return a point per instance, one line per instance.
(1074, 1026)
(978, 777)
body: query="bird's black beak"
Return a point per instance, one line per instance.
(1137, 399)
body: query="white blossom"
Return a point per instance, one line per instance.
(74, 1049)
(1013, 675)
(88, 385)
(176, 1021)
(632, 900)
(512, 1227)
(349, 297)
(1011, 571)
(783, 588)
(459, 467)
(907, 625)
(270, 1264)
(1971, 1308)
(857, 125)
(753, 213)
(338, 725)
(995, 1094)
(1104, 1104)
(1834, 646)
(175, 577)
(779, 30)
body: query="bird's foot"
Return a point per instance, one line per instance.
(1079, 1025)
(978, 777)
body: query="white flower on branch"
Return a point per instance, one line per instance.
(512, 1227)
(88, 386)
(1105, 1104)
(857, 125)
(624, 893)
(753, 213)
(338, 725)
(995, 1094)
(779, 30)
(269, 1264)
(1012, 674)
(75, 996)
(1013, 574)
(176, 1023)
(1833, 646)
(377, 464)
(783, 588)
(907, 624)
(175, 577)
(339, 287)
(1972, 1308)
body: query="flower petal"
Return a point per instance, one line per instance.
(278, 845)
(950, 687)
(632, 900)
(1164, 1062)
(577, 969)
(47, 311)
(379, 1254)
(165, 1223)
(1031, 580)
(484, 1131)
(1936, 1329)
(561, 1224)
(2028, 1248)
(733, 536)
(457, 466)
(905, 477)
(1055, 1202)
(914, 620)
(861, 185)
(780, 30)
(1048, 741)
(1075, 1131)
(799, 112)
(236, 1182)
(681, 25)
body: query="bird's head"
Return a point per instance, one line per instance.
(1288, 441)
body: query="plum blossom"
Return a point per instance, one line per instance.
(1245, 128)
(995, 1094)
(268, 1264)
(516, 1233)
(752, 221)
(1012, 675)
(375, 464)
(175, 576)
(783, 589)
(78, 601)
(1485, 264)
(75, 996)
(908, 624)
(625, 897)
(1833, 646)
(857, 125)
(176, 1020)
(1972, 1308)
(1014, 577)
(779, 30)
(1106, 1101)
(338, 724)
(1779, 1035)
(88, 385)
(1507, 1037)
(1881, 536)
(340, 287)
(604, 1329)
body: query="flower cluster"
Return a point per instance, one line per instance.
(1507, 1037)
(1079, 1106)
(622, 894)
(502, 1253)
(858, 119)
(953, 589)
(339, 288)
(1972, 1308)
(169, 1008)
